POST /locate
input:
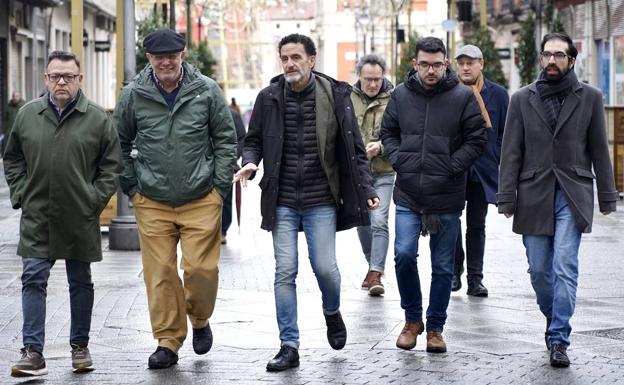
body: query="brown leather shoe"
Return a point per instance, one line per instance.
(435, 342)
(365, 282)
(407, 338)
(375, 287)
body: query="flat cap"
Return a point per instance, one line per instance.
(164, 40)
(472, 51)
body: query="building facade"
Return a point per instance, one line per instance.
(30, 29)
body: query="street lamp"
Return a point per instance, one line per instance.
(363, 19)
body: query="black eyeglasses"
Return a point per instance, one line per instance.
(559, 56)
(424, 66)
(68, 78)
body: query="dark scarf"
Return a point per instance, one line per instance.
(554, 92)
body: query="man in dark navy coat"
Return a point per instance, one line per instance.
(482, 181)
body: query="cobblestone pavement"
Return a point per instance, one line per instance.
(495, 340)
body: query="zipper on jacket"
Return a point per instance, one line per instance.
(371, 136)
(300, 151)
(175, 161)
(422, 153)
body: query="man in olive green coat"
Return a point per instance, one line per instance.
(370, 96)
(183, 167)
(10, 113)
(62, 164)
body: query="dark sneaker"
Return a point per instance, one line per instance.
(288, 357)
(456, 283)
(81, 359)
(375, 287)
(223, 239)
(559, 356)
(476, 289)
(162, 358)
(547, 334)
(32, 363)
(336, 331)
(202, 340)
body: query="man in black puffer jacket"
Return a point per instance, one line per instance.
(316, 179)
(432, 131)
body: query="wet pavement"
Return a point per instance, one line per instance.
(495, 340)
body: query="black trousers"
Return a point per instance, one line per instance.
(226, 214)
(476, 211)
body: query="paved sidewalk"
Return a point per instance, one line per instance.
(495, 340)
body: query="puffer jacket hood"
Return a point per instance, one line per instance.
(413, 83)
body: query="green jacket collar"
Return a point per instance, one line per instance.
(145, 85)
(44, 107)
(144, 78)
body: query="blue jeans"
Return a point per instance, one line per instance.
(36, 272)
(553, 266)
(375, 238)
(442, 245)
(319, 227)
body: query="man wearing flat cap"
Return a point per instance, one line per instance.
(183, 167)
(482, 181)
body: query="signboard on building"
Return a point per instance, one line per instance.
(102, 45)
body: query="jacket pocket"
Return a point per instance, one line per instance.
(525, 175)
(95, 204)
(268, 197)
(584, 173)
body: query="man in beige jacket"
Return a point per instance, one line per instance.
(370, 97)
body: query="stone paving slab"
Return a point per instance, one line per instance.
(496, 340)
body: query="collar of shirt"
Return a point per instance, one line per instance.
(58, 108)
(159, 84)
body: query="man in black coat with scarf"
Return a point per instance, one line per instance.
(316, 179)
(555, 134)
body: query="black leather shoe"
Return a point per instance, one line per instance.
(288, 357)
(559, 356)
(476, 289)
(336, 331)
(456, 283)
(202, 340)
(162, 358)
